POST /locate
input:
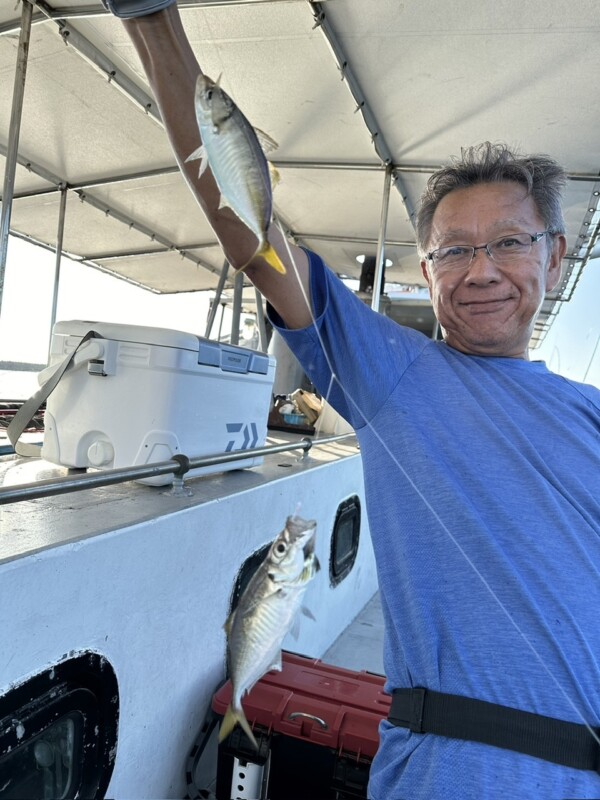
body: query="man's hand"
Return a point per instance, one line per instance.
(128, 9)
(171, 67)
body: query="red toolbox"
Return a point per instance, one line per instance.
(317, 728)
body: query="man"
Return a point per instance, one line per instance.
(482, 468)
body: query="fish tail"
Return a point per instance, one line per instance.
(231, 719)
(268, 252)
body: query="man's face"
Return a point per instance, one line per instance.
(488, 308)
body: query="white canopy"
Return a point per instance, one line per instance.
(344, 86)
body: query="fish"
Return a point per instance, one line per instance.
(231, 147)
(266, 612)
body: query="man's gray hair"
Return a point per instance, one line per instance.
(543, 178)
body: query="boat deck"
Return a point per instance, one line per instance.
(360, 646)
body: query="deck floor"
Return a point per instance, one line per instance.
(360, 646)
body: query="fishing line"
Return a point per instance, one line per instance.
(590, 362)
(416, 489)
(426, 502)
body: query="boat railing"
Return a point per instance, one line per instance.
(179, 465)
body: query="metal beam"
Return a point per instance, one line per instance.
(212, 313)
(59, 241)
(58, 182)
(98, 10)
(122, 255)
(323, 237)
(99, 61)
(381, 241)
(141, 228)
(13, 137)
(381, 148)
(36, 169)
(157, 172)
(238, 288)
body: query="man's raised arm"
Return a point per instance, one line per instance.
(172, 68)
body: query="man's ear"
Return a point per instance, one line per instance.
(559, 248)
(424, 270)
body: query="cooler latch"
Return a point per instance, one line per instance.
(96, 367)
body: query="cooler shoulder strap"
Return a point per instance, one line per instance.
(30, 407)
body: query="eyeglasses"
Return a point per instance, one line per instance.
(504, 250)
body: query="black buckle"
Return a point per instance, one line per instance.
(417, 701)
(406, 710)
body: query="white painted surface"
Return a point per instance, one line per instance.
(152, 596)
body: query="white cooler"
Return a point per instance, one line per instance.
(139, 395)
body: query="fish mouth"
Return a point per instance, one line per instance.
(303, 533)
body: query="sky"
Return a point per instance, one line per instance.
(84, 293)
(571, 347)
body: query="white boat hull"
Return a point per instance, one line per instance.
(146, 579)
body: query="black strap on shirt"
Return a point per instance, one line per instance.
(566, 743)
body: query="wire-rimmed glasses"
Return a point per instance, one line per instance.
(504, 250)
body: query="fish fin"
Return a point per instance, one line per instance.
(308, 613)
(276, 666)
(228, 625)
(274, 174)
(199, 153)
(267, 144)
(311, 567)
(294, 630)
(230, 720)
(268, 252)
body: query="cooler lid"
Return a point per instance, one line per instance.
(163, 337)
(226, 357)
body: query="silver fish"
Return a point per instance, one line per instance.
(266, 612)
(231, 148)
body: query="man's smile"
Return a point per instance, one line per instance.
(488, 306)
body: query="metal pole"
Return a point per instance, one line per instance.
(59, 246)
(260, 321)
(13, 137)
(179, 464)
(213, 309)
(238, 286)
(381, 243)
(221, 322)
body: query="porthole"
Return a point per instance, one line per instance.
(58, 732)
(344, 540)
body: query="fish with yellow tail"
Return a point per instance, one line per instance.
(266, 612)
(231, 148)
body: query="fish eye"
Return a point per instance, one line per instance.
(209, 94)
(280, 548)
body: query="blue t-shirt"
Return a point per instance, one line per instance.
(482, 479)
